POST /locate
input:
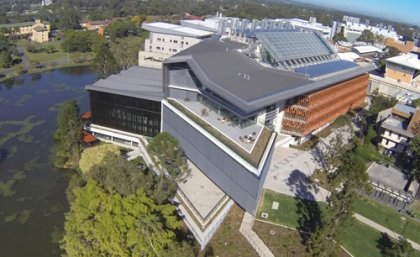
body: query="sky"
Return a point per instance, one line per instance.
(398, 10)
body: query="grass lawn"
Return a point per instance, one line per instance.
(283, 241)
(58, 56)
(361, 240)
(389, 218)
(228, 241)
(415, 209)
(287, 214)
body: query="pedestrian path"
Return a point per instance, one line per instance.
(384, 229)
(252, 237)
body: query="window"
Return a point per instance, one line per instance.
(175, 41)
(174, 50)
(158, 48)
(159, 39)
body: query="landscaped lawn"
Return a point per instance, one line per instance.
(228, 241)
(287, 214)
(389, 218)
(359, 239)
(283, 241)
(58, 56)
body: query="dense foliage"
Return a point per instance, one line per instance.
(367, 36)
(81, 41)
(170, 155)
(68, 135)
(118, 209)
(102, 222)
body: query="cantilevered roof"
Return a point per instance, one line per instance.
(141, 82)
(246, 84)
(168, 28)
(290, 45)
(321, 69)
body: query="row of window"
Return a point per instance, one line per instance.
(125, 113)
(163, 49)
(171, 41)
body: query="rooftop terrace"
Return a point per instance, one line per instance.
(251, 148)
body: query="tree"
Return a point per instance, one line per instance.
(170, 155)
(367, 36)
(400, 248)
(104, 223)
(388, 52)
(68, 135)
(351, 173)
(121, 29)
(415, 160)
(5, 59)
(80, 41)
(416, 102)
(125, 51)
(68, 19)
(105, 62)
(380, 102)
(339, 37)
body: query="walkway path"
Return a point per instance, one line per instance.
(383, 229)
(252, 237)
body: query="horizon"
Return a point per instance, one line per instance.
(397, 11)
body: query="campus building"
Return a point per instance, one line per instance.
(401, 78)
(229, 104)
(398, 125)
(37, 30)
(167, 39)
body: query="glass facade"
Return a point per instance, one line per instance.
(130, 114)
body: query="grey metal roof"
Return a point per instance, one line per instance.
(141, 82)
(290, 45)
(246, 84)
(317, 70)
(389, 176)
(405, 109)
(397, 126)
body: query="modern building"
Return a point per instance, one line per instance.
(401, 78)
(127, 105)
(228, 103)
(167, 39)
(398, 125)
(37, 31)
(352, 28)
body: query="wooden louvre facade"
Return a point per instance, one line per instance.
(304, 114)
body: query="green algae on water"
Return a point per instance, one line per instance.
(25, 125)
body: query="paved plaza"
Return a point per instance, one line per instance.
(288, 174)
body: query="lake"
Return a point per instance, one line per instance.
(32, 191)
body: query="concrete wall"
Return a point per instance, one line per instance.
(225, 171)
(168, 44)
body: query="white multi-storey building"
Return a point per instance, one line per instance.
(167, 39)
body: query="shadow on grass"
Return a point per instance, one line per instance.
(384, 244)
(308, 211)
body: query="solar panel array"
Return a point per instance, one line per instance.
(284, 46)
(326, 68)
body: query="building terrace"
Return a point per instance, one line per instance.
(255, 137)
